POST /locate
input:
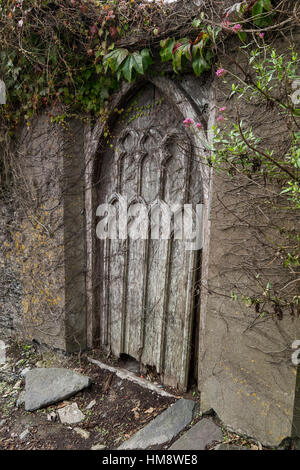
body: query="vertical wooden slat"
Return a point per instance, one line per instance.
(105, 286)
(191, 267)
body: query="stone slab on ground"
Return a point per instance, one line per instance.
(225, 446)
(164, 427)
(44, 386)
(203, 433)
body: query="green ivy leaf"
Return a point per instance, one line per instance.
(197, 50)
(132, 62)
(138, 62)
(200, 65)
(267, 5)
(146, 58)
(242, 35)
(258, 9)
(187, 50)
(115, 58)
(167, 46)
(180, 55)
(177, 56)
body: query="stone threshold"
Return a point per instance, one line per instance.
(127, 375)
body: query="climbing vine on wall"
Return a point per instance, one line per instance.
(68, 57)
(75, 53)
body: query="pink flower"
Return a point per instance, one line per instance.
(188, 122)
(236, 28)
(221, 110)
(261, 35)
(220, 72)
(220, 118)
(199, 125)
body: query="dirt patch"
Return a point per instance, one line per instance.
(121, 407)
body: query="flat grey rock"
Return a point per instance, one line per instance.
(21, 399)
(46, 386)
(225, 446)
(164, 427)
(203, 433)
(70, 414)
(24, 434)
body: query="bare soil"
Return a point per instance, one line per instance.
(121, 408)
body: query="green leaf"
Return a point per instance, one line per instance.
(181, 54)
(257, 9)
(137, 61)
(187, 50)
(177, 56)
(197, 50)
(267, 5)
(167, 46)
(115, 58)
(242, 36)
(200, 65)
(132, 62)
(196, 23)
(146, 57)
(127, 68)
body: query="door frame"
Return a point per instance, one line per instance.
(93, 138)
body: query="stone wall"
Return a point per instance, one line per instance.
(246, 372)
(49, 240)
(10, 282)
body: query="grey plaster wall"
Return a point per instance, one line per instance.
(10, 282)
(50, 241)
(246, 372)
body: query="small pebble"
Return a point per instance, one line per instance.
(98, 447)
(91, 404)
(52, 416)
(24, 434)
(82, 432)
(17, 385)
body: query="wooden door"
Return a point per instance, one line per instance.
(147, 286)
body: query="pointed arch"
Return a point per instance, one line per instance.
(93, 141)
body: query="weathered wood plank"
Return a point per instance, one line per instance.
(148, 294)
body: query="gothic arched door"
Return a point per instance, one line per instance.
(148, 287)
